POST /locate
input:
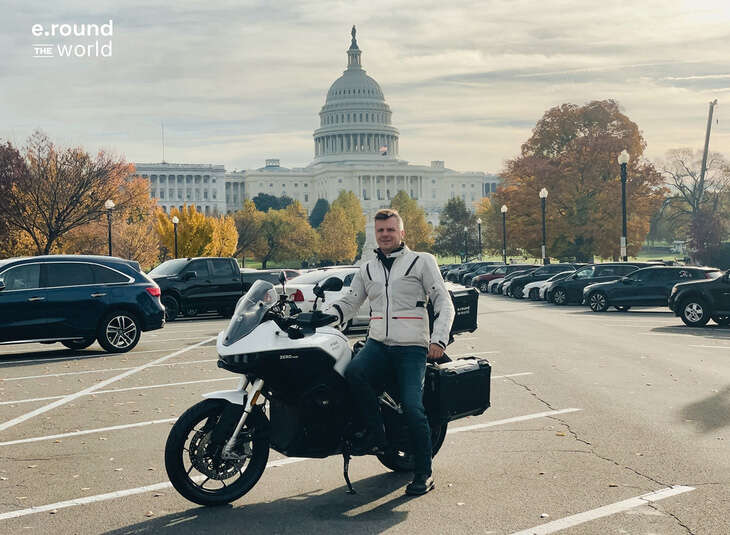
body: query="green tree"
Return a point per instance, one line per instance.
(418, 231)
(352, 208)
(318, 212)
(450, 232)
(265, 202)
(286, 235)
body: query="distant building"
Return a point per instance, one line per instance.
(355, 149)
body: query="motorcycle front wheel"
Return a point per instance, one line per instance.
(400, 461)
(194, 464)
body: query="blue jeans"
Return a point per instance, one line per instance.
(366, 375)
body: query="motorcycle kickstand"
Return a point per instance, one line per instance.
(346, 456)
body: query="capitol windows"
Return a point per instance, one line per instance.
(361, 117)
(162, 194)
(215, 194)
(153, 179)
(463, 186)
(205, 195)
(180, 179)
(162, 179)
(205, 179)
(188, 195)
(188, 179)
(296, 184)
(153, 193)
(179, 195)
(197, 179)
(306, 197)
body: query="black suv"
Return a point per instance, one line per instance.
(648, 286)
(699, 300)
(75, 300)
(540, 274)
(570, 289)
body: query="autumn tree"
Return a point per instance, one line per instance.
(223, 237)
(194, 231)
(697, 206)
(337, 237)
(318, 212)
(418, 232)
(56, 190)
(248, 225)
(133, 228)
(449, 239)
(352, 208)
(572, 152)
(287, 235)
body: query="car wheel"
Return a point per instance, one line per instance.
(721, 319)
(560, 296)
(83, 343)
(694, 312)
(119, 332)
(484, 287)
(534, 294)
(598, 302)
(191, 311)
(516, 292)
(172, 307)
(622, 308)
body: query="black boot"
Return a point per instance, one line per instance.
(421, 484)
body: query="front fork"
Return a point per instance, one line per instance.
(251, 399)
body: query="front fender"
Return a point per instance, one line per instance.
(237, 397)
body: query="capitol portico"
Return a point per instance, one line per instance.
(355, 148)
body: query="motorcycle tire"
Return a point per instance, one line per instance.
(400, 461)
(188, 438)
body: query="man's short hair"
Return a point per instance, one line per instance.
(387, 213)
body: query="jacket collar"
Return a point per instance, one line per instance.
(400, 251)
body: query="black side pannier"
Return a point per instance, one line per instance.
(465, 311)
(457, 389)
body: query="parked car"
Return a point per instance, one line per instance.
(474, 267)
(499, 286)
(570, 289)
(699, 300)
(468, 277)
(541, 273)
(482, 281)
(445, 268)
(644, 287)
(532, 290)
(191, 286)
(249, 276)
(301, 291)
(75, 300)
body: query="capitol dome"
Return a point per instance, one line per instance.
(355, 121)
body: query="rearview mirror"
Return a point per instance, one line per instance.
(282, 277)
(333, 284)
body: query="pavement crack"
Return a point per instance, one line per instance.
(656, 508)
(532, 393)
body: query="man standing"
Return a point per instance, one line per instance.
(398, 283)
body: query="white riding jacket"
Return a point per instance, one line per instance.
(398, 300)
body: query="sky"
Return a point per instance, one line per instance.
(237, 82)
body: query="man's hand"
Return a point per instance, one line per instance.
(435, 352)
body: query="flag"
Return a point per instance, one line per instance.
(384, 150)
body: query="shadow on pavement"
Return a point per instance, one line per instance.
(708, 331)
(613, 313)
(8, 360)
(332, 512)
(710, 414)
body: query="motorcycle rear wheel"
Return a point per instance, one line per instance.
(194, 465)
(400, 461)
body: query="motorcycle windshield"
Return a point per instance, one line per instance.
(249, 311)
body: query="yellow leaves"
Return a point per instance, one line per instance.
(352, 208)
(337, 236)
(194, 231)
(224, 237)
(418, 232)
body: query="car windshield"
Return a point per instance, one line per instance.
(249, 311)
(560, 275)
(171, 267)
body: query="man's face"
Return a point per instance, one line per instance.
(387, 234)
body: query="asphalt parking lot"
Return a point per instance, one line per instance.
(600, 423)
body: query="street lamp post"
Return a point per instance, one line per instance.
(175, 221)
(479, 232)
(466, 244)
(623, 160)
(543, 199)
(109, 205)
(504, 232)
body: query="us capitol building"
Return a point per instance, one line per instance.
(355, 148)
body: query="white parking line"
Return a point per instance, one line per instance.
(61, 358)
(168, 420)
(145, 387)
(712, 347)
(113, 390)
(119, 494)
(166, 485)
(98, 386)
(43, 376)
(580, 518)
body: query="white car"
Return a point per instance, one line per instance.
(492, 284)
(301, 290)
(538, 286)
